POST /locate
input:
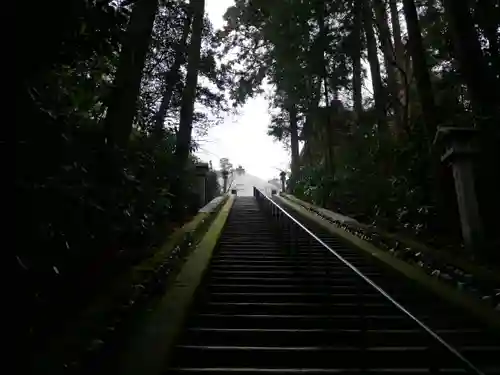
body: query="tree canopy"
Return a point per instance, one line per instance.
(95, 148)
(362, 86)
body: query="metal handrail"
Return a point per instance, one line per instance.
(258, 194)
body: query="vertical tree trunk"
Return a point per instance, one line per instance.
(485, 97)
(329, 138)
(183, 141)
(356, 61)
(402, 71)
(396, 33)
(420, 70)
(323, 32)
(390, 62)
(324, 37)
(122, 101)
(172, 76)
(378, 88)
(480, 80)
(294, 144)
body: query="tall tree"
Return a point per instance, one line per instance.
(172, 75)
(287, 45)
(323, 41)
(396, 33)
(483, 91)
(183, 142)
(402, 71)
(480, 80)
(421, 72)
(378, 88)
(122, 101)
(294, 139)
(390, 61)
(356, 59)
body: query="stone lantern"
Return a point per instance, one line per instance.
(459, 145)
(283, 179)
(225, 174)
(201, 176)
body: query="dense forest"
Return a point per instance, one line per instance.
(364, 85)
(106, 96)
(112, 96)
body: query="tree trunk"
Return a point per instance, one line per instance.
(396, 34)
(420, 70)
(485, 97)
(172, 76)
(480, 81)
(378, 88)
(329, 138)
(323, 32)
(294, 144)
(390, 63)
(403, 74)
(356, 61)
(183, 141)
(123, 99)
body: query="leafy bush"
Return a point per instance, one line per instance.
(84, 214)
(383, 182)
(80, 227)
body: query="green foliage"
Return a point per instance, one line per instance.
(381, 182)
(119, 303)
(210, 93)
(386, 175)
(87, 213)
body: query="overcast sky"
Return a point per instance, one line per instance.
(243, 138)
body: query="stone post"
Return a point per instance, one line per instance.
(224, 177)
(201, 176)
(459, 150)
(283, 179)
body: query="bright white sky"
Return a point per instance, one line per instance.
(243, 138)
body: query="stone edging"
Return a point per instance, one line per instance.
(149, 350)
(453, 294)
(97, 326)
(398, 242)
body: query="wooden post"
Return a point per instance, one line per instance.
(459, 150)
